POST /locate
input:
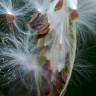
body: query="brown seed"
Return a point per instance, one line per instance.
(59, 5)
(33, 18)
(49, 94)
(48, 68)
(47, 65)
(10, 18)
(28, 76)
(62, 76)
(43, 31)
(58, 85)
(45, 89)
(43, 27)
(74, 15)
(55, 89)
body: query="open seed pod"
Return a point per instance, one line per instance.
(56, 46)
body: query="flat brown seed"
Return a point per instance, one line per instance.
(10, 18)
(59, 5)
(28, 76)
(74, 15)
(33, 18)
(43, 31)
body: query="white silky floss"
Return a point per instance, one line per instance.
(73, 4)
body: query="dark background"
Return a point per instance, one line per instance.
(83, 79)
